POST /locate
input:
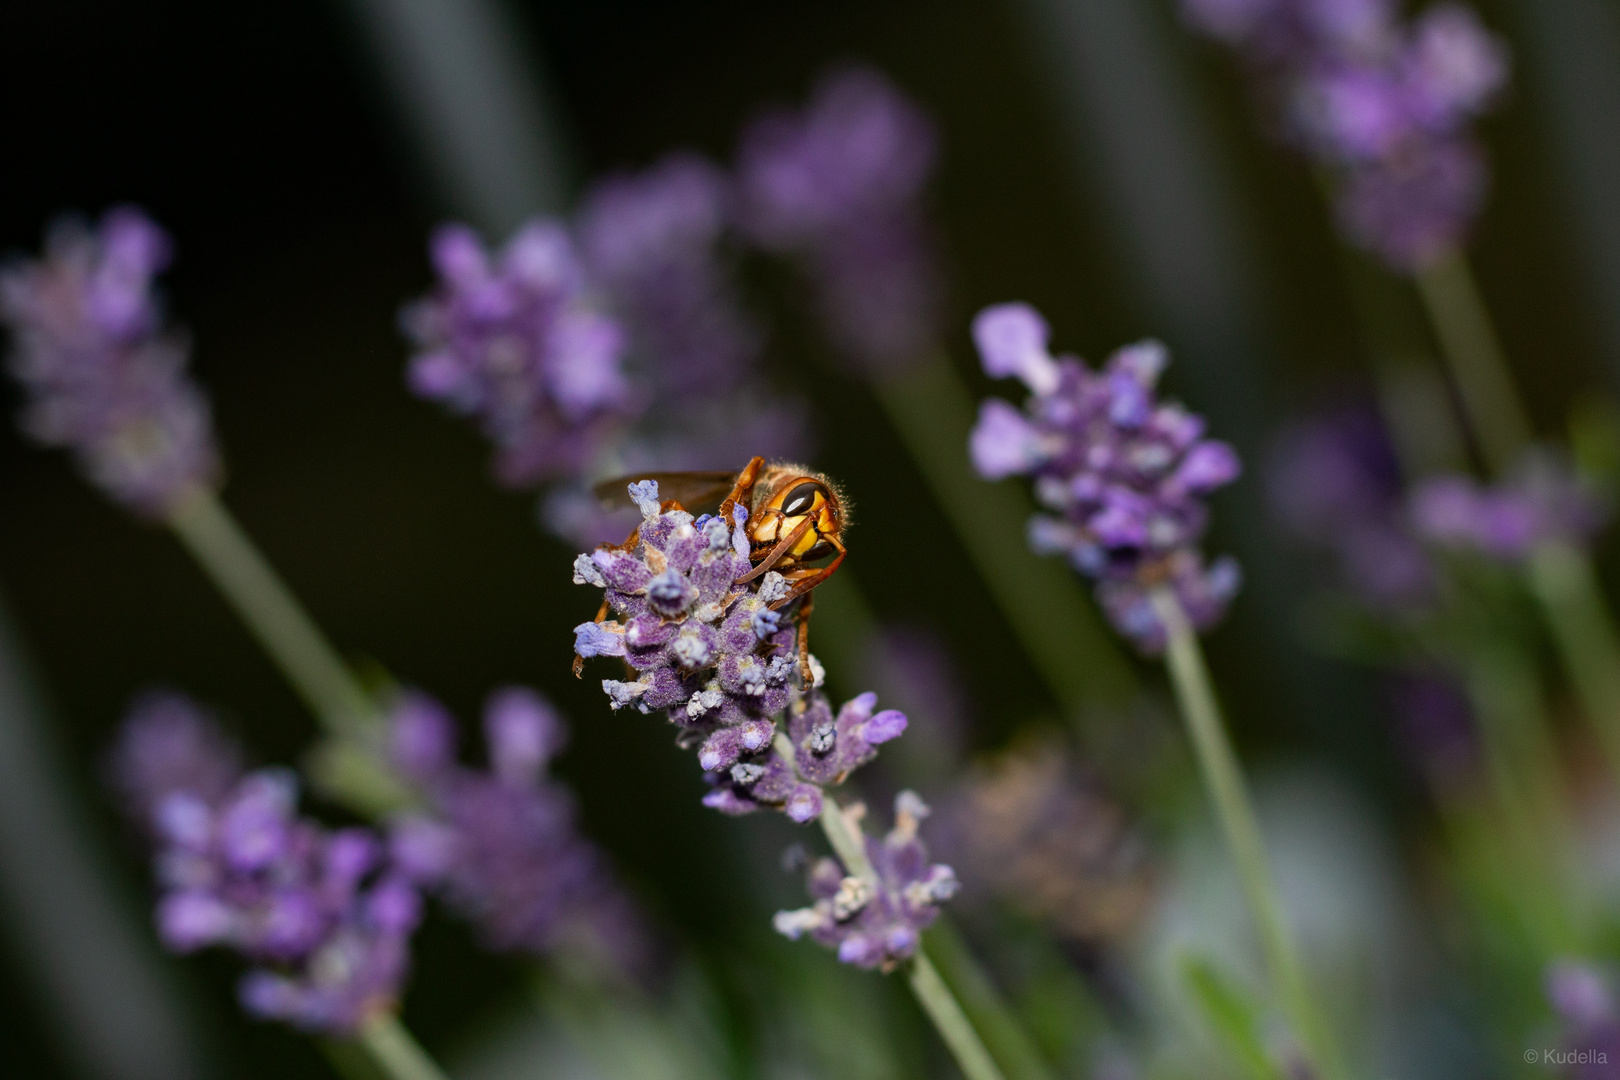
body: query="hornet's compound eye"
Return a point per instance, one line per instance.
(802, 498)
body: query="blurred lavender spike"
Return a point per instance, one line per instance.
(105, 377)
(98, 977)
(839, 186)
(474, 99)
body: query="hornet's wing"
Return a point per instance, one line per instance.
(697, 492)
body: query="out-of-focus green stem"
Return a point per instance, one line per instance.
(396, 1051)
(982, 1002)
(935, 997)
(1474, 356)
(229, 557)
(1522, 772)
(1223, 779)
(1043, 603)
(1566, 584)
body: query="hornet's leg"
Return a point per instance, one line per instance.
(806, 606)
(741, 490)
(813, 578)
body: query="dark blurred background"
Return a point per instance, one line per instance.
(266, 139)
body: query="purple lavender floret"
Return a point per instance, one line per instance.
(711, 653)
(167, 743)
(1385, 107)
(652, 242)
(1334, 481)
(881, 926)
(104, 377)
(324, 915)
(1543, 502)
(839, 187)
(1583, 998)
(503, 847)
(518, 341)
(1124, 475)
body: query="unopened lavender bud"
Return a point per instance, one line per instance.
(598, 639)
(587, 573)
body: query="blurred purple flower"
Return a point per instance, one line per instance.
(323, 914)
(1333, 480)
(503, 847)
(1125, 475)
(1543, 501)
(1028, 827)
(1386, 107)
(651, 241)
(839, 186)
(519, 342)
(1435, 724)
(1582, 997)
(168, 744)
(103, 376)
(876, 927)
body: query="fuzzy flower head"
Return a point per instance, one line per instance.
(517, 341)
(1123, 475)
(1543, 502)
(710, 651)
(324, 915)
(878, 922)
(1333, 480)
(839, 186)
(503, 846)
(103, 376)
(1385, 106)
(1030, 827)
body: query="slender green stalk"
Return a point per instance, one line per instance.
(931, 992)
(1526, 805)
(1002, 1031)
(1223, 779)
(1475, 358)
(1043, 603)
(1565, 582)
(396, 1051)
(271, 612)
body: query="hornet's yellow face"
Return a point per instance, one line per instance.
(800, 499)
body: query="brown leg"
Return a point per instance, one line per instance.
(741, 490)
(805, 607)
(814, 577)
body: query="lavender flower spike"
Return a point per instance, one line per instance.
(709, 652)
(324, 915)
(1384, 107)
(876, 927)
(103, 376)
(1124, 475)
(1544, 501)
(838, 186)
(503, 846)
(517, 341)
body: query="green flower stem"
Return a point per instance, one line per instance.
(1525, 804)
(285, 630)
(935, 997)
(395, 1050)
(1043, 603)
(1223, 779)
(1475, 358)
(1003, 1033)
(1565, 583)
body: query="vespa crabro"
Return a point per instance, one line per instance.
(795, 517)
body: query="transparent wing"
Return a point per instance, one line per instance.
(696, 491)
